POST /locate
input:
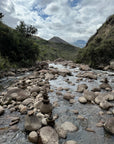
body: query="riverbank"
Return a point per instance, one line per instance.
(82, 99)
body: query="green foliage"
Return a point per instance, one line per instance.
(4, 64)
(26, 30)
(18, 49)
(100, 47)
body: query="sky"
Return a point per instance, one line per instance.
(71, 20)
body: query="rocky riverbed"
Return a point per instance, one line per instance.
(82, 100)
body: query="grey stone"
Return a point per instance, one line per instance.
(32, 123)
(109, 125)
(48, 135)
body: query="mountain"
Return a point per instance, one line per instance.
(99, 49)
(80, 43)
(58, 40)
(55, 48)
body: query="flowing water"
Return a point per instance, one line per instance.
(90, 112)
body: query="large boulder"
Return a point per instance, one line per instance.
(32, 123)
(17, 94)
(48, 135)
(109, 125)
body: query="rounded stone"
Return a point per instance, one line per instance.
(109, 125)
(48, 135)
(33, 137)
(82, 100)
(68, 126)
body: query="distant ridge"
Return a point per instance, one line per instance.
(58, 40)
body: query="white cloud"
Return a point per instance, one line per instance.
(59, 18)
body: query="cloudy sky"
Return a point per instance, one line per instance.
(70, 20)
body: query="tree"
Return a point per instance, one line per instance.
(26, 30)
(1, 16)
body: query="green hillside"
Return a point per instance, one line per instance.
(100, 47)
(21, 49)
(51, 50)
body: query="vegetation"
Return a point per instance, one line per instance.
(51, 50)
(100, 47)
(17, 47)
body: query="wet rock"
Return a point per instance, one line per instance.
(10, 73)
(61, 132)
(70, 142)
(17, 94)
(72, 101)
(84, 67)
(33, 137)
(22, 109)
(68, 126)
(89, 95)
(32, 123)
(90, 130)
(44, 121)
(90, 75)
(82, 100)
(105, 86)
(49, 76)
(109, 125)
(48, 135)
(1, 110)
(105, 105)
(81, 88)
(96, 89)
(35, 89)
(27, 101)
(99, 99)
(65, 72)
(109, 96)
(56, 116)
(68, 96)
(37, 104)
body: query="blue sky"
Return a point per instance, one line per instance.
(70, 20)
